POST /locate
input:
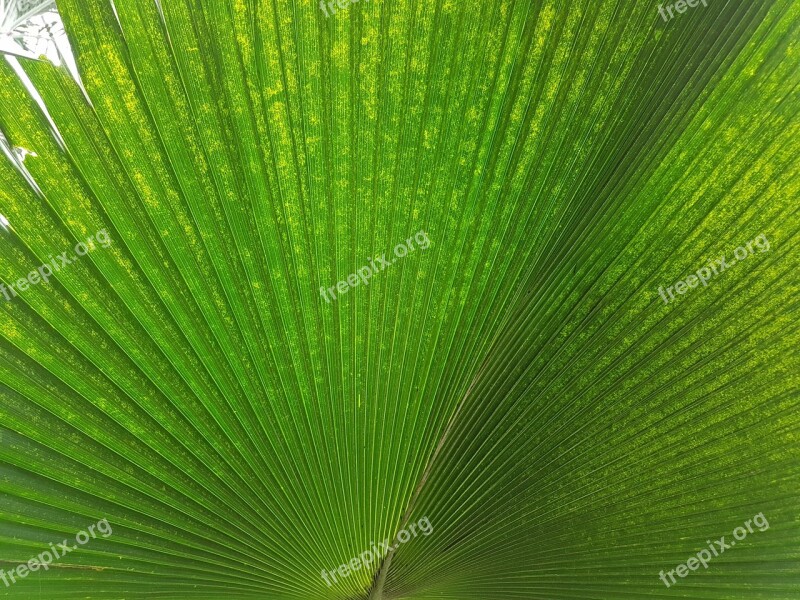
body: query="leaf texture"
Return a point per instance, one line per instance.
(516, 378)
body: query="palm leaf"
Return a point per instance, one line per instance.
(519, 382)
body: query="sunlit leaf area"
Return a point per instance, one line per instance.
(399, 299)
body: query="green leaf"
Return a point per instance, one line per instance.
(525, 373)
